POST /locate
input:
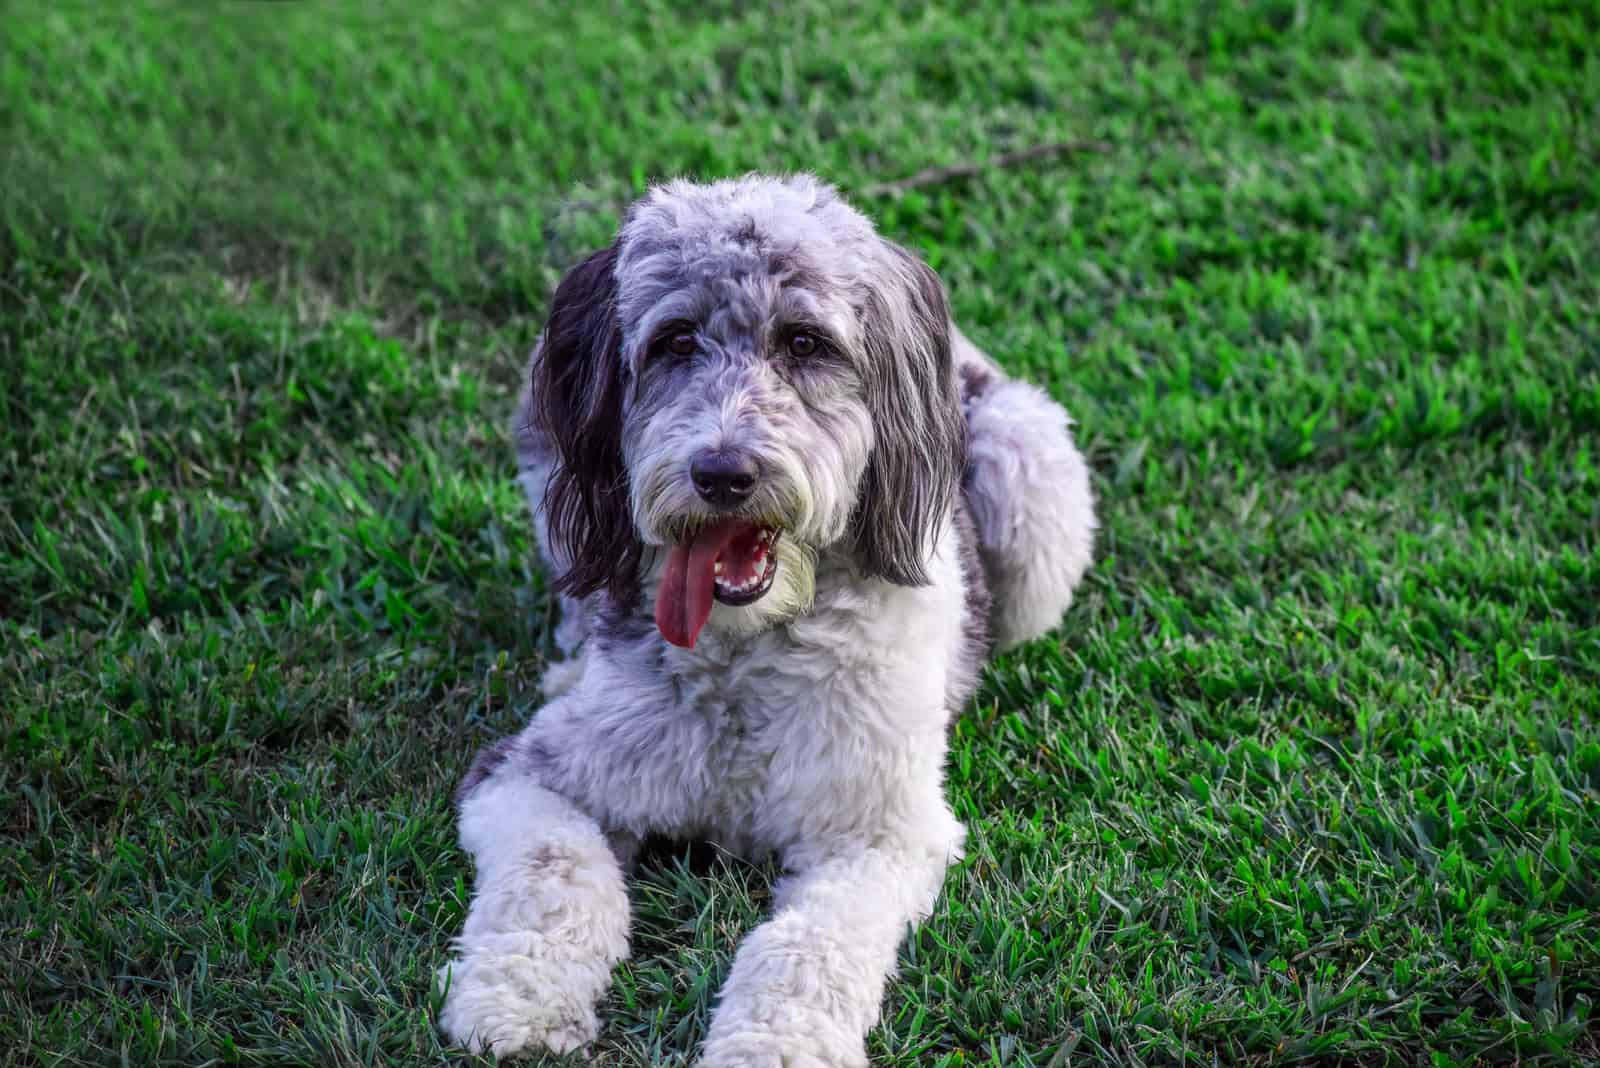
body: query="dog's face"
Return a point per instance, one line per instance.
(748, 377)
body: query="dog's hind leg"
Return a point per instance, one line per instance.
(1028, 488)
(549, 913)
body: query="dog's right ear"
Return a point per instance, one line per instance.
(577, 401)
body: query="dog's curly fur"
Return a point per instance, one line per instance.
(930, 509)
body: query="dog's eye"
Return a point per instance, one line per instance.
(803, 344)
(680, 343)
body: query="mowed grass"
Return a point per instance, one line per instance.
(1310, 772)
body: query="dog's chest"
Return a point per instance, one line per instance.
(808, 730)
(756, 719)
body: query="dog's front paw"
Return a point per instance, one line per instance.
(793, 1049)
(510, 1002)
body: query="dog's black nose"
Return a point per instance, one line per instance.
(723, 478)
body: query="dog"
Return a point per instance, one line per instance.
(790, 510)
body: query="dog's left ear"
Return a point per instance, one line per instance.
(577, 401)
(914, 471)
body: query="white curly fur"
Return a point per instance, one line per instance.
(549, 921)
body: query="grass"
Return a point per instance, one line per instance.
(1312, 770)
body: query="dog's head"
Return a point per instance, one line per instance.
(748, 377)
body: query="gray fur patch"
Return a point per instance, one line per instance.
(975, 381)
(976, 642)
(617, 623)
(488, 761)
(504, 755)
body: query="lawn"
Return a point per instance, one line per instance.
(1310, 772)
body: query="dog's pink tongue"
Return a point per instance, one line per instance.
(684, 602)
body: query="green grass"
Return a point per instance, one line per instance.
(1312, 770)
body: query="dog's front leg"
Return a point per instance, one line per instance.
(548, 919)
(807, 985)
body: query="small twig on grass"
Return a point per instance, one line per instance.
(937, 175)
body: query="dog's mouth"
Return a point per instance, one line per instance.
(730, 560)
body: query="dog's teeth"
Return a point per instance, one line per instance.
(717, 568)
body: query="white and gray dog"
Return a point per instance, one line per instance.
(791, 510)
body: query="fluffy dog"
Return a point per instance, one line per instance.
(791, 510)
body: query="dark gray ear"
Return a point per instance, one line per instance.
(915, 468)
(577, 401)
